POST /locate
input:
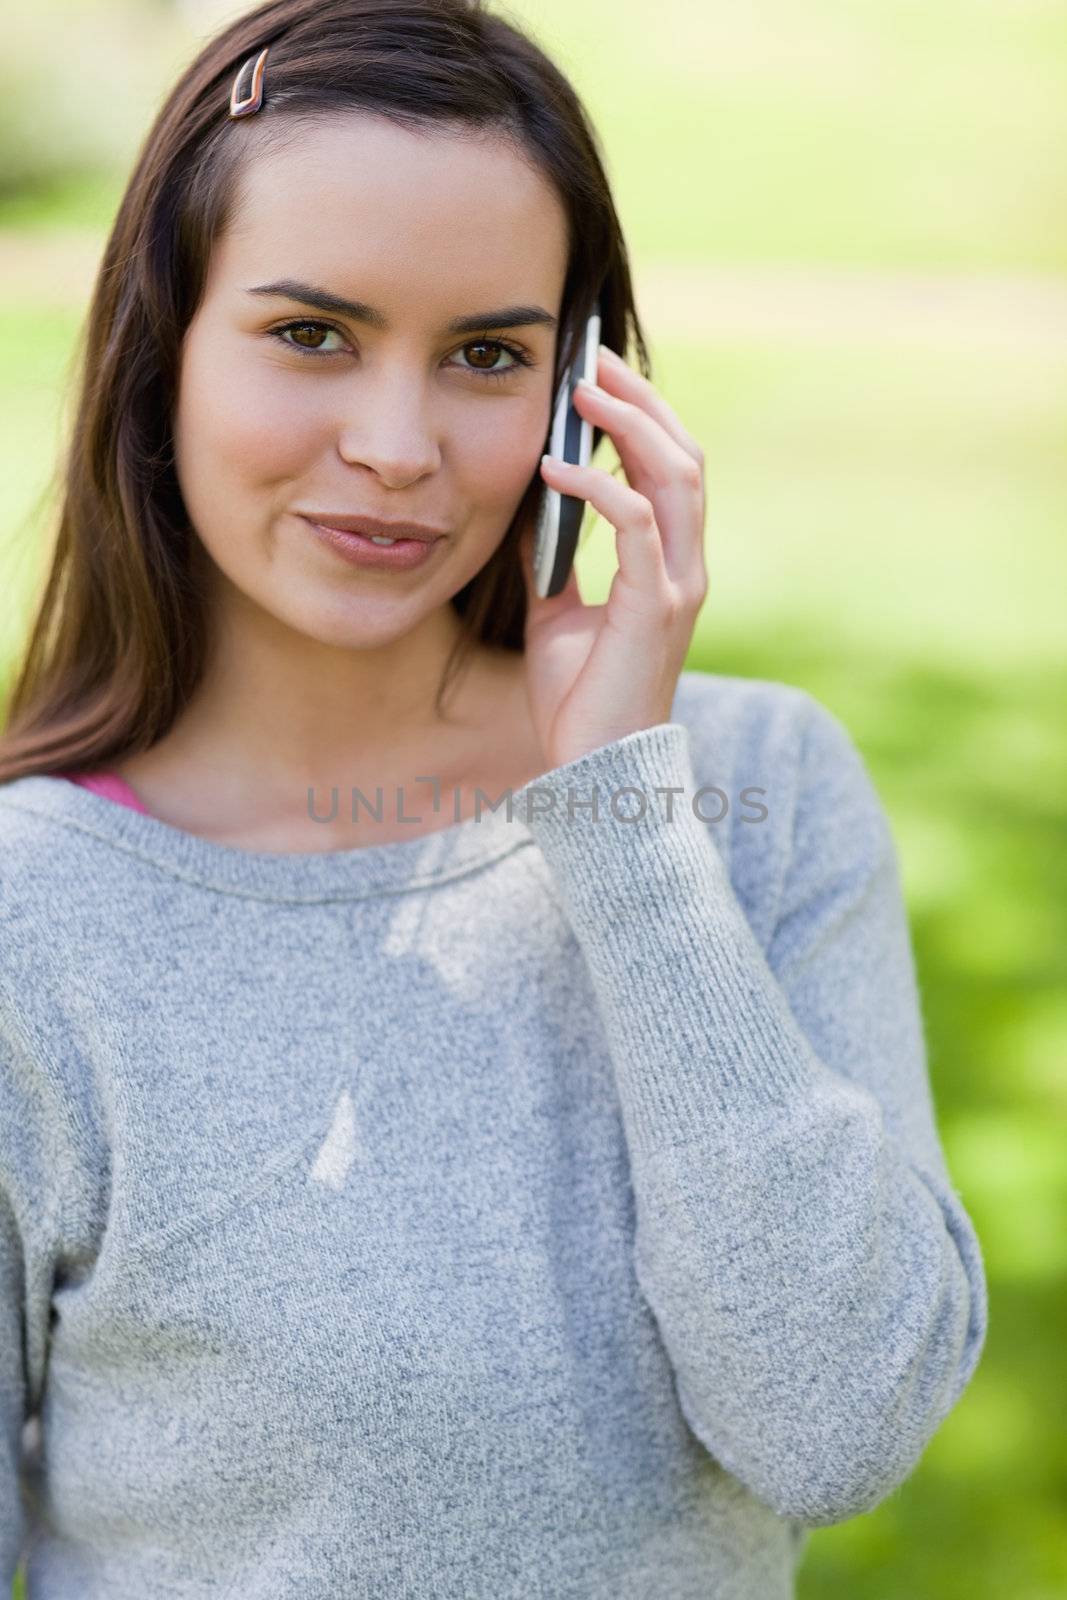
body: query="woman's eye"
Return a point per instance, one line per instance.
(497, 348)
(316, 329)
(491, 349)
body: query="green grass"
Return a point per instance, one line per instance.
(885, 529)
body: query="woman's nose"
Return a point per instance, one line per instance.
(392, 432)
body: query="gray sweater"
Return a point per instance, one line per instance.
(546, 1206)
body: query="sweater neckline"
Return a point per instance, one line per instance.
(426, 858)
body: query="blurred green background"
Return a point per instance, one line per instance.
(848, 224)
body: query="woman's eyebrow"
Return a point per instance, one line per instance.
(306, 294)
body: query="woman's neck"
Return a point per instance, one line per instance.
(222, 781)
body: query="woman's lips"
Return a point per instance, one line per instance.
(363, 552)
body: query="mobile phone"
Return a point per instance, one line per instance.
(570, 438)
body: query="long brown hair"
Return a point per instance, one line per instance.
(117, 644)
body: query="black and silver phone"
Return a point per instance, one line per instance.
(570, 438)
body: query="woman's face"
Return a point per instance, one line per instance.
(286, 408)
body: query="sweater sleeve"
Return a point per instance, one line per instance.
(12, 1392)
(33, 1157)
(817, 1283)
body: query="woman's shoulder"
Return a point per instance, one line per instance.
(731, 719)
(734, 696)
(21, 824)
(28, 807)
(42, 848)
(781, 759)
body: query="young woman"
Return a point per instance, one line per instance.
(403, 1192)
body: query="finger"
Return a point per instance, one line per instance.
(637, 534)
(652, 447)
(617, 377)
(658, 468)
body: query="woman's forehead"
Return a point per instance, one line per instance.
(399, 214)
(369, 163)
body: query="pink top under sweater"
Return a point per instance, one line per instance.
(108, 784)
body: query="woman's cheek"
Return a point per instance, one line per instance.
(267, 431)
(241, 422)
(499, 460)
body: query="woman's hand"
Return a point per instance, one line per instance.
(597, 673)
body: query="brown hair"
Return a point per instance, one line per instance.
(117, 644)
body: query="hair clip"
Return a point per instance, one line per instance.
(245, 108)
